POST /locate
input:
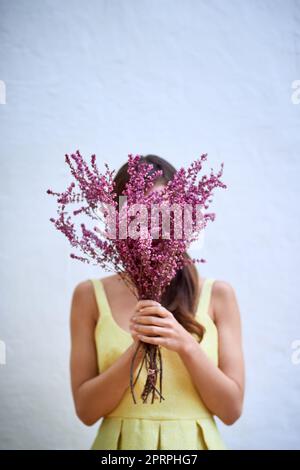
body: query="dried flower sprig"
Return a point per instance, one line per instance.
(146, 258)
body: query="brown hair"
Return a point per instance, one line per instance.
(181, 297)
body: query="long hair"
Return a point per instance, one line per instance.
(181, 296)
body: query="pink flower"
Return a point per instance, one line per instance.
(143, 247)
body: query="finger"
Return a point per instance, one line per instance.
(153, 340)
(156, 310)
(134, 333)
(144, 303)
(151, 330)
(148, 320)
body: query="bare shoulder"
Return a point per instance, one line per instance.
(111, 280)
(84, 305)
(224, 300)
(83, 292)
(222, 290)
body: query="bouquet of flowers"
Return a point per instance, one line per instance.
(143, 235)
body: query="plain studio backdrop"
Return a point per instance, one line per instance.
(177, 79)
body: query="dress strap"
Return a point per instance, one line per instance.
(205, 296)
(101, 298)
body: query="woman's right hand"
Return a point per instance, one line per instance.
(137, 346)
(133, 334)
(138, 308)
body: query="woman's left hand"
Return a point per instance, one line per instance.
(157, 325)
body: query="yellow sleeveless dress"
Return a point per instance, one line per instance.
(181, 421)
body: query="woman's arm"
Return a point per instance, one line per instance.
(94, 394)
(221, 388)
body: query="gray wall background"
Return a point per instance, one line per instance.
(175, 78)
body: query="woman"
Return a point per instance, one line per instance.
(198, 328)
